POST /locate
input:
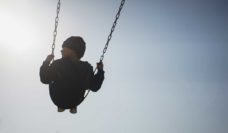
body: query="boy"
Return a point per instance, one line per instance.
(69, 77)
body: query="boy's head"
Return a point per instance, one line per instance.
(73, 46)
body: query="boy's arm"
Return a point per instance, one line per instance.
(98, 78)
(47, 72)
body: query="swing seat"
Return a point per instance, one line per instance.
(66, 98)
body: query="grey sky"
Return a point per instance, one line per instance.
(166, 67)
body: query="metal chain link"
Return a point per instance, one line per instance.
(112, 30)
(109, 38)
(56, 26)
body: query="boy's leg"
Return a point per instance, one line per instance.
(73, 110)
(61, 109)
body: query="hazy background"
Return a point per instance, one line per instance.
(166, 67)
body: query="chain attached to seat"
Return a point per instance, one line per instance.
(109, 38)
(112, 30)
(56, 27)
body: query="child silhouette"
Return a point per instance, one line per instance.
(69, 77)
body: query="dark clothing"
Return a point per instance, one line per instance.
(69, 80)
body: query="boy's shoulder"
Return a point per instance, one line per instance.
(62, 61)
(86, 64)
(58, 61)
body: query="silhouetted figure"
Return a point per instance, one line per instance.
(69, 77)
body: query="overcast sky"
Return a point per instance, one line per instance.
(165, 70)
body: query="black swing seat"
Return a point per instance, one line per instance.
(66, 98)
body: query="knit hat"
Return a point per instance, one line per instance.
(77, 44)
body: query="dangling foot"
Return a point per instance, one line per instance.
(61, 109)
(73, 110)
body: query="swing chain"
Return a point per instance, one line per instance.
(108, 40)
(56, 26)
(112, 30)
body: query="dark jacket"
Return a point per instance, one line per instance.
(68, 81)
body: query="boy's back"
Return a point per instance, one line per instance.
(68, 81)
